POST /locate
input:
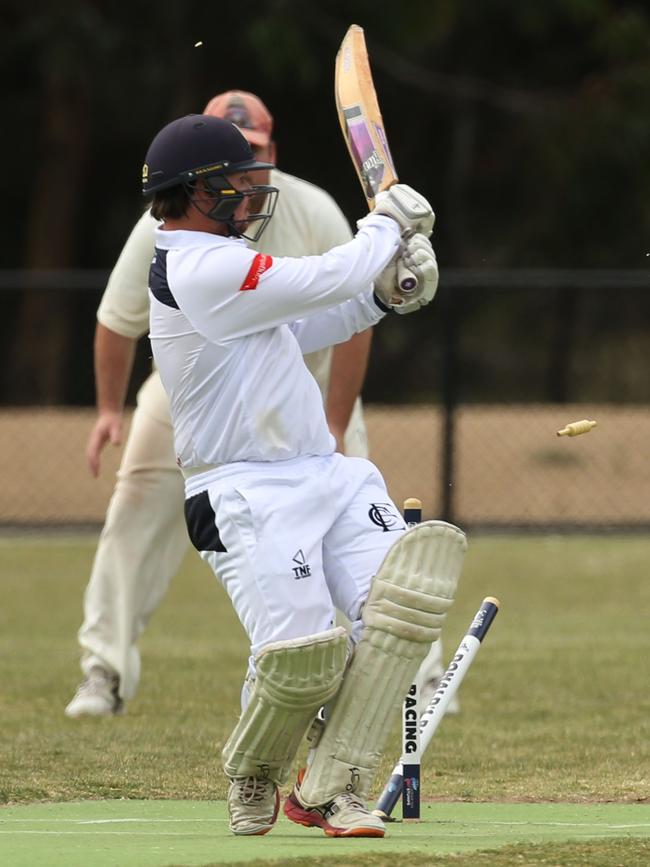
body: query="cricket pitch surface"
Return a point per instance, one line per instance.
(160, 833)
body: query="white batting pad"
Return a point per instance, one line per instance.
(293, 679)
(408, 601)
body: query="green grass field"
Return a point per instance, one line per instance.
(555, 714)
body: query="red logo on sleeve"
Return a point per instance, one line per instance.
(261, 263)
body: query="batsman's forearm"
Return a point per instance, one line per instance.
(347, 373)
(114, 356)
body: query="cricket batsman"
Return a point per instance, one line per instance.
(288, 524)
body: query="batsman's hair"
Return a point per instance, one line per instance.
(171, 203)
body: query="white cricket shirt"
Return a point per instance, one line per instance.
(228, 327)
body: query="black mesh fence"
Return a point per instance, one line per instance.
(463, 400)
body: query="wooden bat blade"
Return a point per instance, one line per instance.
(360, 117)
(363, 128)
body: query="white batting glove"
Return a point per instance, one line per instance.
(418, 256)
(408, 208)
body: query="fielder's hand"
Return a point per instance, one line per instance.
(408, 208)
(418, 256)
(107, 428)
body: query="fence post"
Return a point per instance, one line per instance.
(449, 401)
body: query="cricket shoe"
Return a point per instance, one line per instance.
(344, 816)
(253, 804)
(96, 695)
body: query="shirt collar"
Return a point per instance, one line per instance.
(169, 240)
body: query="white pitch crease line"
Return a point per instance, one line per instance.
(518, 822)
(603, 825)
(9, 831)
(479, 835)
(105, 821)
(143, 821)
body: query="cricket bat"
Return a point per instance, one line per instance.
(363, 127)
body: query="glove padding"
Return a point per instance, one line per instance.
(417, 255)
(408, 208)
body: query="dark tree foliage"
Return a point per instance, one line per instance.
(526, 124)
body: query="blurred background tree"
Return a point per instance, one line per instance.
(526, 124)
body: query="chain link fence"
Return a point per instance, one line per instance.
(463, 401)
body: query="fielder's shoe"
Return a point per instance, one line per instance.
(426, 694)
(96, 695)
(344, 816)
(253, 805)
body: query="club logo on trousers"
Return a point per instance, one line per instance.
(302, 568)
(383, 516)
(355, 776)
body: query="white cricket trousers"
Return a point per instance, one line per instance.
(144, 539)
(293, 540)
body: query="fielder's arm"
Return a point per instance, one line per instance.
(114, 356)
(347, 373)
(122, 317)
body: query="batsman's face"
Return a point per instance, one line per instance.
(245, 182)
(246, 214)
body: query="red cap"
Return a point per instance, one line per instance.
(246, 111)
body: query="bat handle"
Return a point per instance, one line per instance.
(406, 280)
